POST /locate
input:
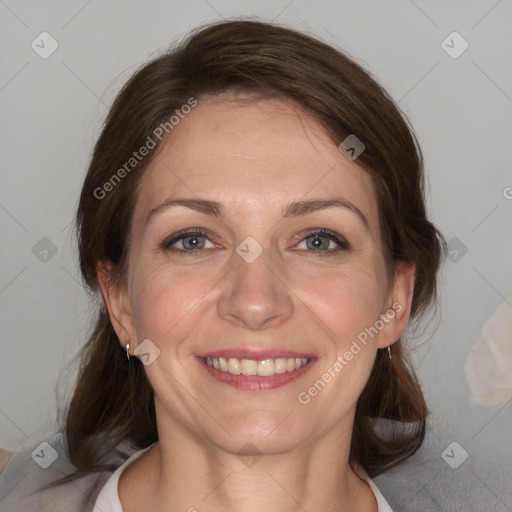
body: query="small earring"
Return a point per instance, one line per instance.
(127, 347)
(389, 352)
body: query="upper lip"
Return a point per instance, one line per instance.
(255, 354)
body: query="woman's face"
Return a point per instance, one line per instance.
(252, 279)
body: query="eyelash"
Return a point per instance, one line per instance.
(324, 233)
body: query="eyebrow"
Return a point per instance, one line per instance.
(294, 209)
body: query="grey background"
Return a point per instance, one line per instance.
(52, 109)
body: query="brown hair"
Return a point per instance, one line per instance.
(113, 400)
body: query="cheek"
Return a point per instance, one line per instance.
(345, 307)
(345, 302)
(163, 300)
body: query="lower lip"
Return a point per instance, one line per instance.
(256, 382)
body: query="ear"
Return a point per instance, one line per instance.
(118, 304)
(397, 313)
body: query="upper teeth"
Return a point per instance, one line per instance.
(264, 368)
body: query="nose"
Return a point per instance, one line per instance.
(254, 295)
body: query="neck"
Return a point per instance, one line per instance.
(186, 473)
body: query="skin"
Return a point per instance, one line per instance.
(254, 158)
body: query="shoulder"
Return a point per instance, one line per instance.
(426, 482)
(27, 471)
(382, 504)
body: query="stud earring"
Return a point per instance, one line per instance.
(127, 347)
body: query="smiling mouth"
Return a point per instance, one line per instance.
(252, 367)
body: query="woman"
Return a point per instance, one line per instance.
(253, 216)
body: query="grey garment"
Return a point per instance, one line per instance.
(31, 468)
(449, 476)
(426, 482)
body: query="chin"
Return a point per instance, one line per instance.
(264, 435)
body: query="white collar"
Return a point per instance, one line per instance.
(108, 498)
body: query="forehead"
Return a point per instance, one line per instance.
(250, 155)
